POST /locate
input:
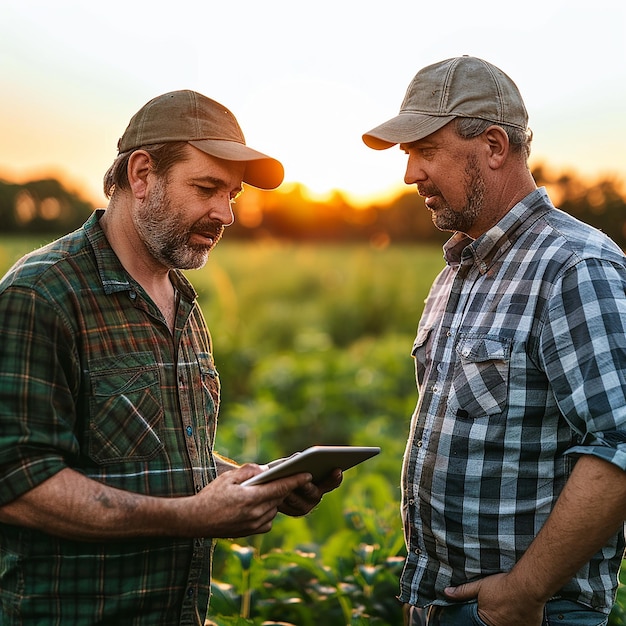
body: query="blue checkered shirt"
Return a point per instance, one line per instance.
(520, 361)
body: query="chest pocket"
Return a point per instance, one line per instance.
(211, 394)
(421, 353)
(481, 375)
(126, 409)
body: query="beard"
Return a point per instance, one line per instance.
(166, 235)
(445, 217)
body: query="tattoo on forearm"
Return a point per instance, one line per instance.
(104, 500)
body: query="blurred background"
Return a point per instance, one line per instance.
(305, 80)
(314, 295)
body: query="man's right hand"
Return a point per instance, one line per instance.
(226, 509)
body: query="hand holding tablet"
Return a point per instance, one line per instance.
(317, 460)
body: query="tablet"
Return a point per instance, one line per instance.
(317, 460)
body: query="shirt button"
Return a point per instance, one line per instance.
(419, 443)
(417, 551)
(190, 592)
(189, 430)
(435, 389)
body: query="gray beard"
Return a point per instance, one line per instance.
(449, 220)
(166, 236)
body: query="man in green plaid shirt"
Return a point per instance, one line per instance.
(110, 491)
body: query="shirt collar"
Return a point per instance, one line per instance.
(112, 273)
(499, 237)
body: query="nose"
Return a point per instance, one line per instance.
(222, 210)
(414, 170)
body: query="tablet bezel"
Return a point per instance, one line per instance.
(317, 460)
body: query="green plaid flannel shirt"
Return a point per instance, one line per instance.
(92, 379)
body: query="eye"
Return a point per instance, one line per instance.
(427, 153)
(206, 191)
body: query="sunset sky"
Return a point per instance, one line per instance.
(305, 79)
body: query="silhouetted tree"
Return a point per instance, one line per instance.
(40, 206)
(290, 213)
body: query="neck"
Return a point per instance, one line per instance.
(137, 261)
(507, 191)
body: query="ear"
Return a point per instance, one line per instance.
(139, 166)
(497, 144)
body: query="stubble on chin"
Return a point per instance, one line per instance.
(168, 238)
(446, 218)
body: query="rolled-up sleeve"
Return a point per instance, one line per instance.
(37, 408)
(583, 352)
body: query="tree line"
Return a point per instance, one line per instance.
(46, 206)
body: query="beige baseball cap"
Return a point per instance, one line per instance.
(460, 87)
(205, 124)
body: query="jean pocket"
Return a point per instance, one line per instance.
(474, 615)
(570, 613)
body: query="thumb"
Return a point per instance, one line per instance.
(467, 591)
(242, 473)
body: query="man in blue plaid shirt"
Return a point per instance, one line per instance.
(514, 488)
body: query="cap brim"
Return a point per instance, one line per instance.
(404, 128)
(262, 171)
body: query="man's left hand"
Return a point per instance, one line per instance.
(305, 499)
(499, 603)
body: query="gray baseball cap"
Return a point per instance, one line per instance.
(460, 87)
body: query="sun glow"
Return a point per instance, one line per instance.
(303, 95)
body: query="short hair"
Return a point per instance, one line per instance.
(519, 138)
(162, 155)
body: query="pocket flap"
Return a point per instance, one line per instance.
(478, 349)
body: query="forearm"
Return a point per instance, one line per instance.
(71, 505)
(591, 509)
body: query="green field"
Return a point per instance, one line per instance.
(313, 346)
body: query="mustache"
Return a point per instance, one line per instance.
(425, 190)
(209, 227)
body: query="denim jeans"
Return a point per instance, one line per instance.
(556, 613)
